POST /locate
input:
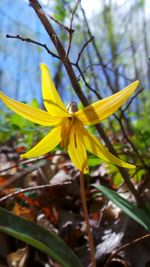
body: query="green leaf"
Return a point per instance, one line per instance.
(17, 120)
(34, 103)
(131, 210)
(38, 237)
(93, 161)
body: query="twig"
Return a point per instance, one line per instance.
(22, 174)
(99, 56)
(131, 100)
(117, 55)
(29, 40)
(83, 47)
(32, 188)
(85, 213)
(129, 244)
(130, 142)
(22, 161)
(108, 68)
(86, 83)
(71, 22)
(62, 25)
(73, 12)
(121, 52)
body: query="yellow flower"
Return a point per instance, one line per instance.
(69, 123)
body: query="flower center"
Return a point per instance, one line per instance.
(66, 131)
(67, 125)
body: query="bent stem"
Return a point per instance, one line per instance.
(85, 213)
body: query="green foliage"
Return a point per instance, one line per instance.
(94, 161)
(116, 176)
(137, 214)
(141, 128)
(60, 10)
(38, 237)
(21, 131)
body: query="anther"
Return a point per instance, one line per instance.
(72, 107)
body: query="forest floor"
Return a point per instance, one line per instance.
(58, 208)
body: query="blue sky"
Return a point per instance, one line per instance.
(20, 76)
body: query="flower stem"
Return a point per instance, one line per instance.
(85, 213)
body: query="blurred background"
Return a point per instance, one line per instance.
(118, 55)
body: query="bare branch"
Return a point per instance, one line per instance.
(131, 100)
(29, 40)
(129, 244)
(83, 47)
(120, 53)
(71, 22)
(22, 161)
(86, 83)
(73, 12)
(99, 56)
(21, 174)
(33, 188)
(107, 67)
(62, 25)
(130, 142)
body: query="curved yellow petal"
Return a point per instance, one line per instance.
(52, 100)
(101, 109)
(30, 113)
(94, 146)
(77, 151)
(48, 143)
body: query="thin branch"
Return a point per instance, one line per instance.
(130, 142)
(131, 100)
(21, 174)
(22, 161)
(83, 47)
(98, 54)
(29, 40)
(129, 244)
(71, 22)
(73, 12)
(33, 188)
(69, 30)
(117, 55)
(122, 51)
(86, 83)
(108, 68)
(118, 73)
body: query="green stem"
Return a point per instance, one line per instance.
(85, 213)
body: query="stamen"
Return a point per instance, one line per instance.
(75, 140)
(66, 131)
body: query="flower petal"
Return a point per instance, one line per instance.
(77, 151)
(94, 146)
(48, 143)
(30, 113)
(101, 109)
(52, 100)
